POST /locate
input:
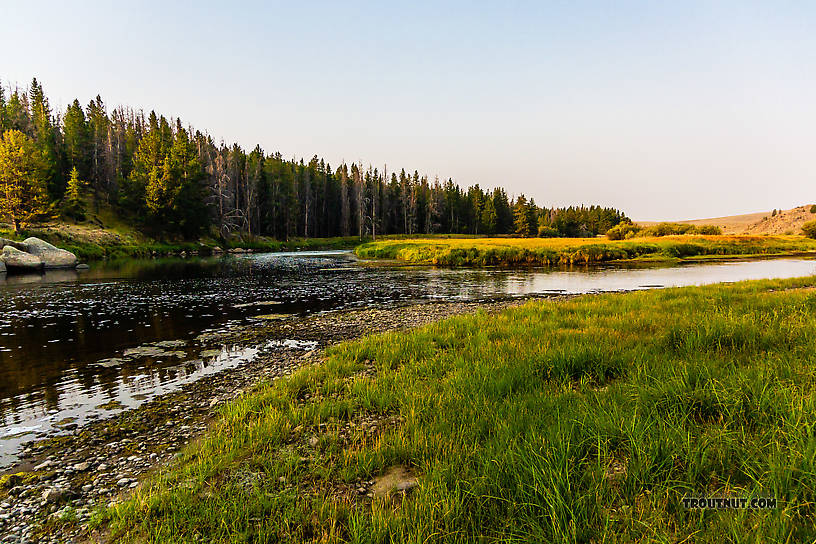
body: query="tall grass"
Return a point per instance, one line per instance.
(585, 420)
(552, 251)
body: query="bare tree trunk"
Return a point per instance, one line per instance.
(374, 199)
(358, 187)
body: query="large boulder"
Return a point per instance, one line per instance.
(18, 245)
(51, 256)
(20, 261)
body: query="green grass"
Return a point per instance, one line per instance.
(552, 251)
(585, 420)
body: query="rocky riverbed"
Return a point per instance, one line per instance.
(63, 482)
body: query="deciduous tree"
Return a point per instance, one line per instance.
(23, 192)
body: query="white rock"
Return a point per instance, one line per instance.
(15, 259)
(51, 256)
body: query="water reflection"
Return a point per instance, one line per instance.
(64, 335)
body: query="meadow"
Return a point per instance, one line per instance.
(579, 420)
(552, 251)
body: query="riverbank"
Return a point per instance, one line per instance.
(93, 243)
(56, 493)
(585, 419)
(104, 238)
(553, 251)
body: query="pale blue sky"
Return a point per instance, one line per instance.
(667, 110)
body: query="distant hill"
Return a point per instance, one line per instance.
(784, 222)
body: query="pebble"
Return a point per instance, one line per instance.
(52, 494)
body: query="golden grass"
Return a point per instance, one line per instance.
(550, 251)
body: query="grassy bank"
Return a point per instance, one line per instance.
(584, 420)
(91, 243)
(105, 237)
(550, 251)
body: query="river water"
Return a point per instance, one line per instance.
(76, 346)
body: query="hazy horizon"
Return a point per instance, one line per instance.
(673, 112)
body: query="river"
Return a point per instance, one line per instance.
(77, 346)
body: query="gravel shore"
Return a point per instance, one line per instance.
(69, 477)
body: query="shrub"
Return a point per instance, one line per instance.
(668, 229)
(622, 230)
(813, 208)
(809, 229)
(547, 232)
(708, 229)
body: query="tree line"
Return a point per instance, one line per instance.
(168, 179)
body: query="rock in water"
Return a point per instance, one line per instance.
(51, 256)
(2, 267)
(20, 260)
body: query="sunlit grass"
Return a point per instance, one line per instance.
(551, 251)
(585, 420)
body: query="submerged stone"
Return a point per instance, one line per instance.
(207, 353)
(207, 337)
(110, 363)
(171, 343)
(112, 405)
(146, 351)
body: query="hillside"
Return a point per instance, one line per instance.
(784, 222)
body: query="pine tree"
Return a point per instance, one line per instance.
(184, 190)
(489, 217)
(23, 193)
(76, 138)
(147, 163)
(521, 216)
(98, 154)
(532, 218)
(17, 115)
(45, 139)
(504, 214)
(74, 205)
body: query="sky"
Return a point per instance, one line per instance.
(666, 110)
